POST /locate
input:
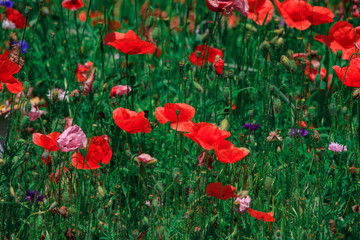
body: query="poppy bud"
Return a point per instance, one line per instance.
(198, 87)
(277, 106)
(279, 32)
(286, 63)
(279, 44)
(26, 86)
(332, 108)
(156, 34)
(28, 106)
(149, 22)
(101, 191)
(265, 46)
(224, 125)
(12, 192)
(2, 162)
(339, 53)
(25, 121)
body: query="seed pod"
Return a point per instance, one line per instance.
(265, 46)
(198, 87)
(279, 44)
(224, 125)
(286, 63)
(159, 188)
(2, 162)
(104, 87)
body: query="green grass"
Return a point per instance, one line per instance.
(303, 183)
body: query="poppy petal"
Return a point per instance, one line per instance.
(267, 217)
(217, 190)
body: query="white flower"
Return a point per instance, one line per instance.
(6, 24)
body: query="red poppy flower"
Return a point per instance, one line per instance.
(180, 122)
(9, 68)
(311, 72)
(98, 152)
(226, 152)
(81, 72)
(267, 217)
(352, 78)
(217, 190)
(48, 142)
(341, 37)
(201, 52)
(301, 15)
(259, 10)
(15, 17)
(73, 4)
(206, 135)
(219, 66)
(129, 43)
(130, 121)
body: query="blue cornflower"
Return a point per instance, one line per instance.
(23, 44)
(6, 3)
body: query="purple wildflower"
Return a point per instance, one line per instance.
(23, 44)
(296, 132)
(336, 148)
(251, 126)
(6, 3)
(31, 196)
